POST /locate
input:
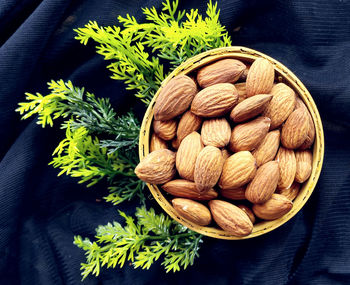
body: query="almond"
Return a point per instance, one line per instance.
(186, 155)
(287, 165)
(304, 165)
(157, 143)
(274, 208)
(208, 168)
(260, 77)
(230, 218)
(310, 138)
(193, 211)
(157, 167)
(187, 189)
(281, 105)
(188, 123)
(222, 71)
(249, 135)
(166, 130)
(264, 183)
(242, 91)
(233, 194)
(225, 154)
(216, 132)
(215, 100)
(267, 150)
(238, 170)
(250, 108)
(174, 98)
(291, 192)
(248, 211)
(295, 130)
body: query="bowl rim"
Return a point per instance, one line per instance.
(246, 54)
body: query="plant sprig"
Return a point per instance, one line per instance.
(141, 242)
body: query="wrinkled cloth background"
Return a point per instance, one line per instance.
(40, 212)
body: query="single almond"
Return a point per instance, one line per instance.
(242, 91)
(166, 130)
(295, 130)
(287, 166)
(274, 208)
(186, 155)
(222, 71)
(216, 132)
(304, 165)
(281, 105)
(238, 170)
(267, 150)
(250, 108)
(233, 194)
(230, 218)
(260, 77)
(187, 189)
(249, 135)
(248, 211)
(174, 98)
(193, 211)
(157, 167)
(215, 100)
(310, 138)
(208, 168)
(157, 143)
(188, 123)
(264, 183)
(291, 193)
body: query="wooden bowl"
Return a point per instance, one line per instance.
(283, 74)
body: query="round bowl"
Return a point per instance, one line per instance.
(283, 74)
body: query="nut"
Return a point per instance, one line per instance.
(274, 208)
(215, 100)
(242, 91)
(222, 71)
(188, 123)
(303, 166)
(290, 192)
(157, 143)
(216, 132)
(192, 211)
(174, 98)
(166, 130)
(267, 150)
(158, 167)
(260, 77)
(287, 165)
(233, 194)
(187, 189)
(230, 218)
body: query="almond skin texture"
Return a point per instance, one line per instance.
(267, 150)
(238, 170)
(230, 218)
(249, 135)
(304, 165)
(287, 165)
(248, 211)
(310, 138)
(216, 132)
(215, 100)
(157, 143)
(291, 193)
(188, 123)
(187, 189)
(208, 168)
(295, 130)
(166, 130)
(281, 105)
(158, 167)
(242, 91)
(260, 77)
(186, 155)
(245, 73)
(250, 108)
(264, 183)
(222, 71)
(225, 154)
(192, 211)
(233, 194)
(174, 98)
(274, 208)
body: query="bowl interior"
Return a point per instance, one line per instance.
(283, 75)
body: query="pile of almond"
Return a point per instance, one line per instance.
(229, 144)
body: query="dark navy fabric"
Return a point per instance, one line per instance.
(40, 212)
